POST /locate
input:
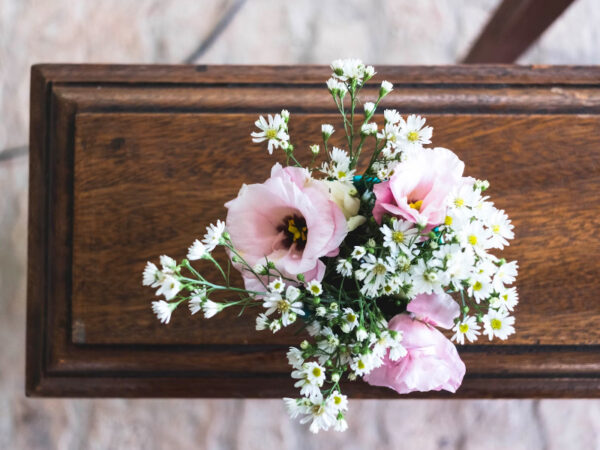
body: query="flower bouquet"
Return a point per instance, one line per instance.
(372, 262)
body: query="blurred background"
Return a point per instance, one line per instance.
(250, 32)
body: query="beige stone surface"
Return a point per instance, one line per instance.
(265, 31)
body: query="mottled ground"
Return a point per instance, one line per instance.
(390, 32)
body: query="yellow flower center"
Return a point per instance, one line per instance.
(351, 317)
(341, 174)
(297, 233)
(271, 133)
(283, 306)
(314, 289)
(416, 205)
(472, 239)
(477, 286)
(316, 372)
(496, 228)
(413, 136)
(379, 269)
(448, 221)
(463, 328)
(361, 364)
(496, 324)
(459, 202)
(337, 400)
(398, 237)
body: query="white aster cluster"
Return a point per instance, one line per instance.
(274, 130)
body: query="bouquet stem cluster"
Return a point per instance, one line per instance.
(370, 263)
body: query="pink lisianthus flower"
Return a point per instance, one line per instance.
(288, 220)
(432, 362)
(419, 188)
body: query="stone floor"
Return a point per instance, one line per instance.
(380, 32)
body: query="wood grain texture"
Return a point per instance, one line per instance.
(130, 162)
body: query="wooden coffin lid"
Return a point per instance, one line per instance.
(131, 162)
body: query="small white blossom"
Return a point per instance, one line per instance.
(315, 288)
(467, 328)
(152, 276)
(214, 233)
(327, 130)
(169, 287)
(369, 108)
(277, 285)
(315, 149)
(413, 133)
(498, 324)
(163, 310)
(358, 252)
(369, 128)
(386, 88)
(295, 358)
(168, 264)
(196, 251)
(262, 322)
(211, 308)
(392, 116)
(273, 130)
(349, 320)
(310, 378)
(344, 267)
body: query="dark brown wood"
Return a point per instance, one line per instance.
(130, 162)
(513, 27)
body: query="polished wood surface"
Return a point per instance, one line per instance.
(131, 162)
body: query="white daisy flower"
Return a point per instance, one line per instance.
(277, 285)
(214, 233)
(338, 401)
(310, 378)
(349, 320)
(400, 237)
(169, 287)
(392, 116)
(480, 287)
(163, 310)
(315, 288)
(426, 279)
(197, 299)
(197, 251)
(152, 276)
(413, 133)
(273, 130)
(506, 274)
(211, 308)
(358, 252)
(344, 267)
(363, 364)
(262, 322)
(296, 406)
(466, 328)
(321, 415)
(337, 87)
(507, 299)
(498, 324)
(501, 228)
(275, 326)
(464, 197)
(369, 108)
(287, 308)
(374, 272)
(474, 236)
(386, 88)
(369, 129)
(295, 358)
(169, 265)
(327, 130)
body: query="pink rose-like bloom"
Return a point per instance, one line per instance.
(431, 364)
(419, 188)
(290, 220)
(439, 310)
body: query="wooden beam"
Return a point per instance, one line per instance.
(515, 25)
